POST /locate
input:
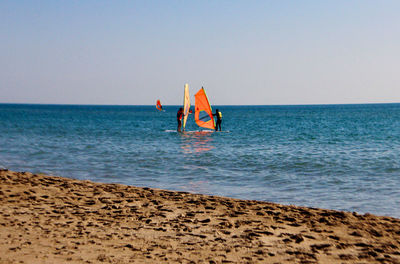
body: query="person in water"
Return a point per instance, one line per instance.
(179, 116)
(218, 114)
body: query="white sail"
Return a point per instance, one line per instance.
(186, 105)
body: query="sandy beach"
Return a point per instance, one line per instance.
(47, 219)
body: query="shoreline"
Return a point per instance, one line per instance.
(50, 219)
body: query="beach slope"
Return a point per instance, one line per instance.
(47, 219)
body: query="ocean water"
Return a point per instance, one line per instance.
(343, 157)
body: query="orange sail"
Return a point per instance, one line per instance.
(202, 110)
(159, 106)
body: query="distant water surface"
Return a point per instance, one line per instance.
(344, 157)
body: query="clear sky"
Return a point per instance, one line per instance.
(242, 52)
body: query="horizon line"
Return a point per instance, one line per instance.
(313, 104)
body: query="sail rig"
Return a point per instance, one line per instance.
(203, 113)
(186, 105)
(159, 106)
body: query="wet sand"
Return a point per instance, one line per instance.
(47, 219)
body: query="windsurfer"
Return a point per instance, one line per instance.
(179, 116)
(159, 106)
(218, 114)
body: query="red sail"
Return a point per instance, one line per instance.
(159, 106)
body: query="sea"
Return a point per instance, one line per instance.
(342, 157)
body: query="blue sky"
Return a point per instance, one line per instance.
(242, 52)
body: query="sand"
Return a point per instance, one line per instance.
(47, 219)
